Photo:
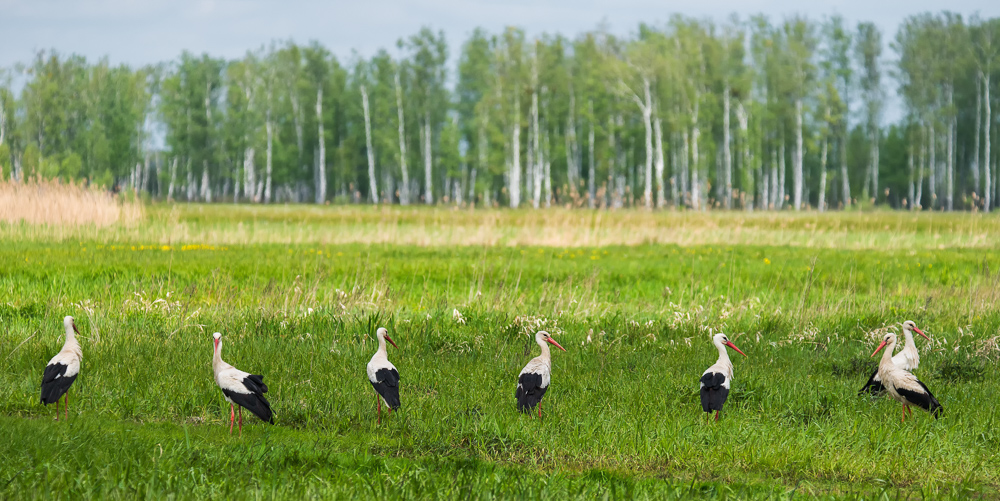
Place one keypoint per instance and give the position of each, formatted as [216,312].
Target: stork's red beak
[216,343]
[733,346]
[553,341]
[918,331]
[879,348]
[75,329]
[387,338]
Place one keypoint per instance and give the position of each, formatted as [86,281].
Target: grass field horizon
[633,296]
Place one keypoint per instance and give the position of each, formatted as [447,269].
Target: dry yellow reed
[50,202]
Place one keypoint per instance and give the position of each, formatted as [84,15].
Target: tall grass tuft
[51,202]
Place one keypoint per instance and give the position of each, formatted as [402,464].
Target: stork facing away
[716,379]
[63,369]
[907,359]
[383,375]
[535,377]
[902,385]
[241,389]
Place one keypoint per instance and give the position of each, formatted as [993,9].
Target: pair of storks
[240,388]
[893,375]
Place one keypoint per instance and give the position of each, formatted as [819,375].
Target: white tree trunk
[797,159]
[910,192]
[535,160]
[372,182]
[515,166]
[428,159]
[695,160]
[932,170]
[949,166]
[781,175]
[727,160]
[404,191]
[646,107]
[591,168]
[269,127]
[822,175]
[191,188]
[482,160]
[918,197]
[685,168]
[987,120]
[206,188]
[974,167]
[547,162]
[874,164]
[845,187]
[173,179]
[775,191]
[249,175]
[746,160]
[658,132]
[297,120]
[321,162]
[572,149]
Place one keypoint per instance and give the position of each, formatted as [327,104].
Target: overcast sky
[141,32]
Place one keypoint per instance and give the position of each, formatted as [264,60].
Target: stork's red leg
[904,414]
[716,416]
[241,421]
[232,418]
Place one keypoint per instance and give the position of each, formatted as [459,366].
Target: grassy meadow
[633,296]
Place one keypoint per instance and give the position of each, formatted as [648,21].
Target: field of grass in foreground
[622,415]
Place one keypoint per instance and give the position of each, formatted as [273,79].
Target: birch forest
[747,114]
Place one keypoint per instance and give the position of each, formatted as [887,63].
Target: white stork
[63,369]
[240,388]
[907,359]
[383,375]
[535,377]
[902,385]
[715,381]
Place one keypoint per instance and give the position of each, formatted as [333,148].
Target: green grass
[622,418]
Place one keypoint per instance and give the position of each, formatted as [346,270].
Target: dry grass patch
[50,202]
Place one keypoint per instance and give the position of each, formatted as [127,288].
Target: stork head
[889,340]
[70,325]
[545,337]
[383,333]
[218,339]
[721,340]
[910,326]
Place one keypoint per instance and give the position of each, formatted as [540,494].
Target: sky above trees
[146,32]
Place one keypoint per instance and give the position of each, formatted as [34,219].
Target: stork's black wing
[925,400]
[254,401]
[55,383]
[386,384]
[713,393]
[529,391]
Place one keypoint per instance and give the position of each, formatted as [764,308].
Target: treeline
[745,114]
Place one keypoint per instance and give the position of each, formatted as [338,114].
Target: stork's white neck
[546,354]
[723,353]
[381,346]
[887,355]
[217,363]
[908,334]
[71,343]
